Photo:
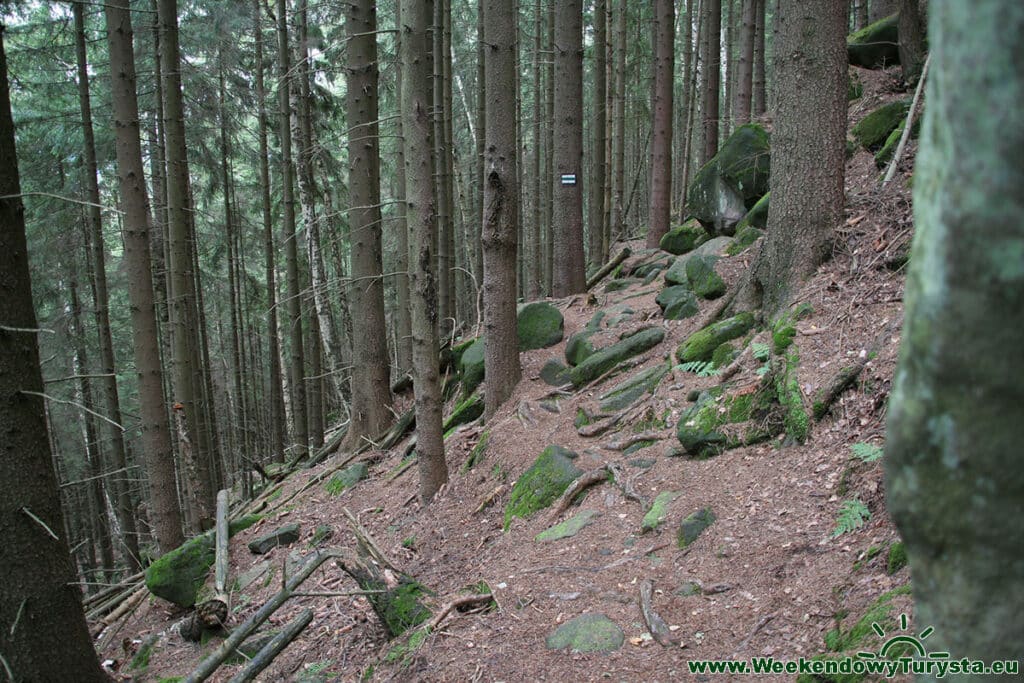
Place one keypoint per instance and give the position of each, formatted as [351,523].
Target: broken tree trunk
[272,649]
[608,268]
[212,614]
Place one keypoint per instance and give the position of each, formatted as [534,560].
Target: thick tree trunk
[371,389]
[597,248]
[661,123]
[712,65]
[535,267]
[912,32]
[549,157]
[414,25]
[807,144]
[729,68]
[569,272]
[156,442]
[618,219]
[758,98]
[112,404]
[499,229]
[954,481]
[403,320]
[880,9]
[47,639]
[745,67]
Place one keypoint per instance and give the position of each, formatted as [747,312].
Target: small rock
[587,633]
[285,535]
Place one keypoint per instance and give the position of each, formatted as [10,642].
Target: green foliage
[852,515]
[867,452]
[409,542]
[761,351]
[541,484]
[477,453]
[897,559]
[701,368]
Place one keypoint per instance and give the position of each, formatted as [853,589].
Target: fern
[701,368]
[852,515]
[761,351]
[867,452]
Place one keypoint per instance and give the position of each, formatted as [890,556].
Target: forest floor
[771,579]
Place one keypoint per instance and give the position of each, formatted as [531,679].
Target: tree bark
[661,123]
[535,270]
[618,219]
[598,249]
[711,59]
[549,156]
[403,321]
[911,32]
[499,229]
[745,68]
[414,25]
[880,9]
[569,272]
[47,639]
[807,145]
[371,390]
[759,99]
[953,479]
[112,404]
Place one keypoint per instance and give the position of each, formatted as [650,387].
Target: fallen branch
[272,649]
[608,268]
[458,603]
[907,125]
[213,613]
[652,620]
[845,378]
[602,425]
[584,481]
[626,442]
[489,499]
[762,622]
[626,484]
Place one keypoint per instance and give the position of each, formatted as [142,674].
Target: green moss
[705,282]
[677,302]
[701,344]
[172,679]
[795,417]
[656,513]
[539,325]
[870,554]
[876,45]
[897,559]
[782,337]
[471,366]
[745,236]
[400,652]
[610,356]
[179,574]
[873,130]
[464,413]
[627,392]
[140,662]
[723,355]
[569,527]
[477,454]
[579,348]
[693,526]
[757,217]
[541,484]
[346,478]
[683,238]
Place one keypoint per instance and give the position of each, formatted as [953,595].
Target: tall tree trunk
[729,67]
[535,270]
[47,639]
[501,352]
[414,25]
[661,122]
[449,159]
[807,145]
[711,60]
[758,98]
[403,321]
[954,483]
[442,154]
[743,89]
[549,145]
[371,392]
[297,364]
[618,219]
[112,404]
[911,32]
[880,9]
[481,135]
[569,273]
[184,311]
[597,196]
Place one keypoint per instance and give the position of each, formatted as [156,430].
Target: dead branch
[602,425]
[272,649]
[907,125]
[844,379]
[584,481]
[608,268]
[626,484]
[626,442]
[489,499]
[458,603]
[762,622]
[655,624]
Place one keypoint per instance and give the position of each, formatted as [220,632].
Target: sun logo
[916,643]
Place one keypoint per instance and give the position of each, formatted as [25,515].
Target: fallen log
[213,613]
[652,620]
[272,649]
[608,268]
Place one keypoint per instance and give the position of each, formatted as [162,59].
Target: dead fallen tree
[272,649]
[608,268]
[213,613]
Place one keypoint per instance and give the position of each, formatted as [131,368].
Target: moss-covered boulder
[677,302]
[587,633]
[676,274]
[569,527]
[701,345]
[873,129]
[854,88]
[555,373]
[684,238]
[579,347]
[178,575]
[465,412]
[626,393]
[540,325]
[347,478]
[884,154]
[693,526]
[735,178]
[542,484]
[283,535]
[656,513]
[610,356]
[726,353]
[702,427]
[704,281]
[875,46]
[744,238]
[757,216]
[471,366]
[620,283]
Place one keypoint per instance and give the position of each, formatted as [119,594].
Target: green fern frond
[867,452]
[701,368]
[761,351]
[852,515]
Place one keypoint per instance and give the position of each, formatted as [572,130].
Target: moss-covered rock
[627,392]
[610,356]
[757,216]
[875,46]
[620,283]
[735,178]
[569,527]
[656,513]
[587,633]
[541,484]
[874,128]
[701,345]
[554,373]
[854,88]
[347,478]
[796,418]
[676,274]
[693,526]
[897,558]
[471,365]
[677,302]
[684,238]
[540,325]
[884,154]
[705,282]
[283,535]
[723,355]
[465,412]
[706,428]
[744,238]
[579,347]
[179,574]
